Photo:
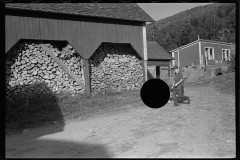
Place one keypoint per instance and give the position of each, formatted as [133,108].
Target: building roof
[125,11]
[156,52]
[202,40]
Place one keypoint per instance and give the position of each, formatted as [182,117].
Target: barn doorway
[115,67]
[28,63]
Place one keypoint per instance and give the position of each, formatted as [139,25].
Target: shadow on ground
[32,115]
[33,122]
[46,148]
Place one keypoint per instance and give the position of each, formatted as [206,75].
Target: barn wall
[83,33]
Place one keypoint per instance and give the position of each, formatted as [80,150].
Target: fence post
[86,76]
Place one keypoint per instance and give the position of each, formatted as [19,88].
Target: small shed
[202,53]
[85,26]
[158,61]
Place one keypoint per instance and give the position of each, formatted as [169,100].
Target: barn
[82,47]
[158,61]
[202,53]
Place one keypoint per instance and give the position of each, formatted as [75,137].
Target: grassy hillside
[223,83]
[213,22]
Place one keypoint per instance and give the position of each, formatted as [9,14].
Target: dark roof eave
[75,14]
[150,59]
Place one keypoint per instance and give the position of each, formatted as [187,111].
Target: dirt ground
[204,128]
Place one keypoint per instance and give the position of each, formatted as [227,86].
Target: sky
[162,10]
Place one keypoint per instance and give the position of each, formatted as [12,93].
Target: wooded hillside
[212,22]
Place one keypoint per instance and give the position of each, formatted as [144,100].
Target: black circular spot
[155,93]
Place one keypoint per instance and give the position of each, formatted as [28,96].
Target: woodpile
[28,67]
[115,67]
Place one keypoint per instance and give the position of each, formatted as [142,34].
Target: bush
[218,71]
[231,64]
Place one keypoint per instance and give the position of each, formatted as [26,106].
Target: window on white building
[225,54]
[209,53]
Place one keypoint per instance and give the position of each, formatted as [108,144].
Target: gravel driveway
[205,128]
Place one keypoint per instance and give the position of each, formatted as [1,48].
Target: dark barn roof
[126,11]
[156,52]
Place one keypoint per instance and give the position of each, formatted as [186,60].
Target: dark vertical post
[86,76]
[169,69]
[144,64]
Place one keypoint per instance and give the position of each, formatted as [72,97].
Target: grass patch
[223,83]
[83,105]
[39,110]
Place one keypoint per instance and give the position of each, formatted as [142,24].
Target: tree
[172,46]
[211,22]
[202,33]
[194,22]
[187,32]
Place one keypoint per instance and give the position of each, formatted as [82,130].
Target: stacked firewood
[29,69]
[115,67]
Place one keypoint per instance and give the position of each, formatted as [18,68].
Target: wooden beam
[86,76]
[64,67]
[200,52]
[144,51]
[144,65]
[169,70]
[82,66]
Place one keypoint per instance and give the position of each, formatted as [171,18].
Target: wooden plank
[112,32]
[104,32]
[43,28]
[120,34]
[35,31]
[50,29]
[64,29]
[59,26]
[11,26]
[14,34]
[22,27]
[144,41]
[82,66]
[86,76]
[16,29]
[93,42]
[64,67]
[144,66]
[55,29]
[74,33]
[125,34]
[30,27]
[96,34]
[139,40]
[128,33]
[84,39]
[7,33]
[109,32]
[89,42]
[80,39]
